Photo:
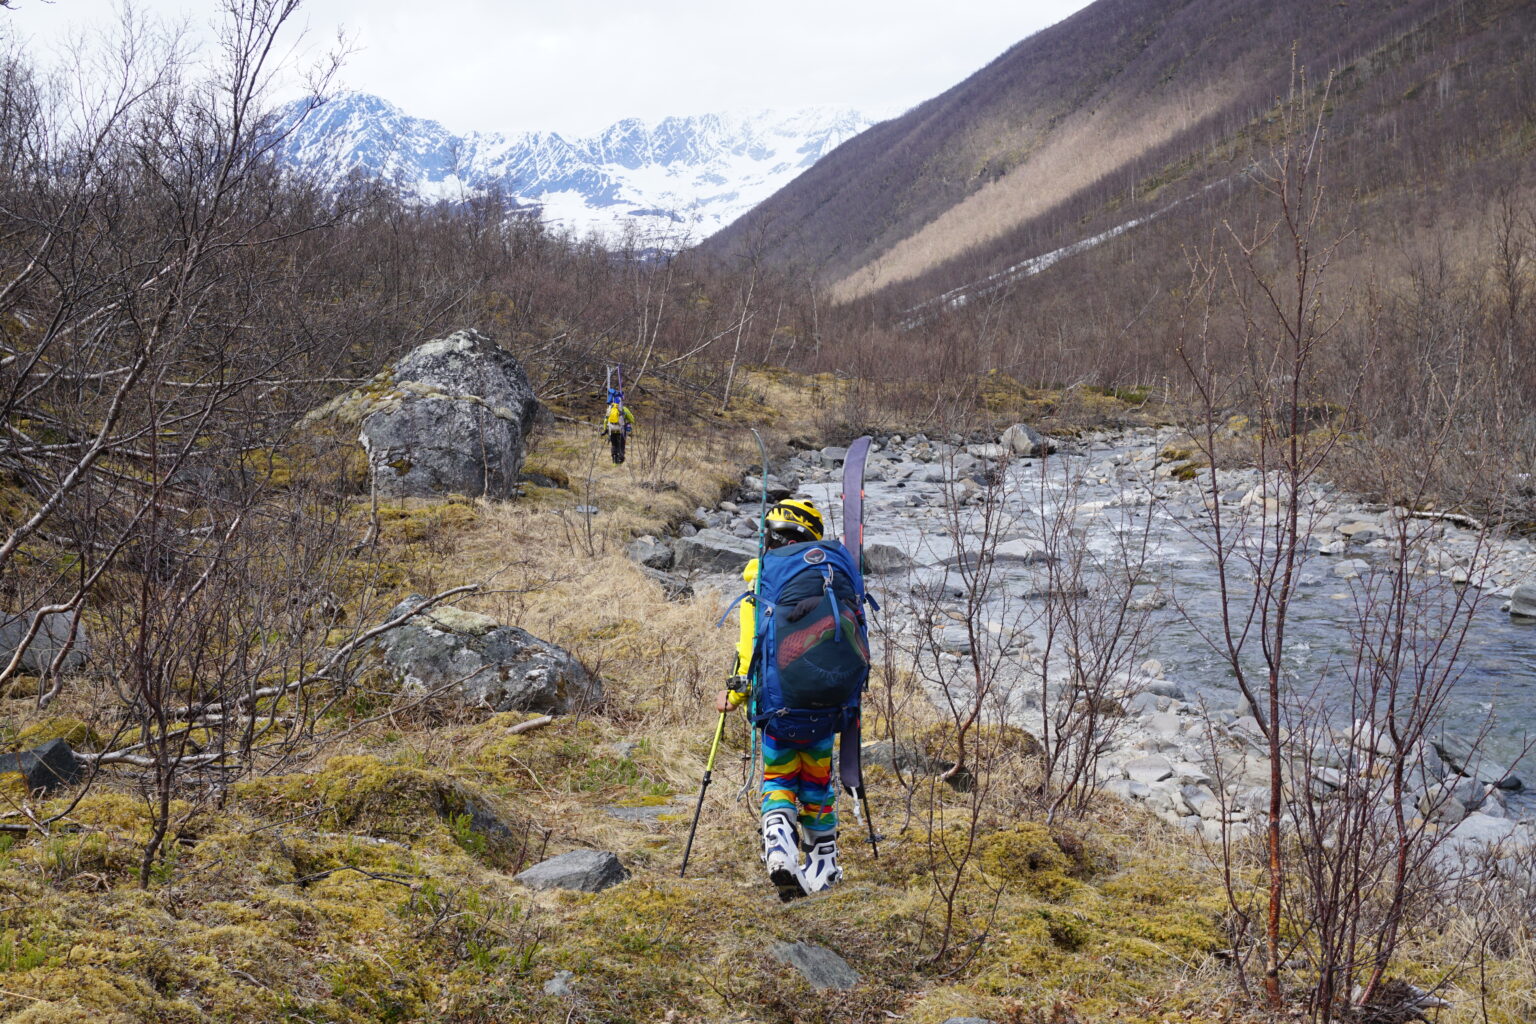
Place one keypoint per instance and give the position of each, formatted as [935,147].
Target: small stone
[45,769]
[834,455]
[1163,688]
[1351,568]
[1360,532]
[819,966]
[583,870]
[651,553]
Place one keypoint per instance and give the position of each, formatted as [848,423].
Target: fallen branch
[530,725]
[1458,518]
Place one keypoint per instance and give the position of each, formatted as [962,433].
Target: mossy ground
[357,886]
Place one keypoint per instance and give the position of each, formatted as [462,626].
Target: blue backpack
[811,661]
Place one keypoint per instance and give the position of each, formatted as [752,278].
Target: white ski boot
[780,845]
[820,870]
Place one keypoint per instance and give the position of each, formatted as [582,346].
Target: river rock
[1021,552]
[819,966]
[1202,801]
[651,552]
[1360,532]
[712,551]
[1023,439]
[1150,770]
[1351,568]
[582,870]
[881,558]
[452,416]
[833,455]
[1522,603]
[51,637]
[1440,806]
[482,662]
[778,489]
[1486,830]
[674,587]
[1465,759]
[45,769]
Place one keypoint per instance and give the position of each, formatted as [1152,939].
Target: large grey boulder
[451,417]
[712,550]
[482,662]
[46,645]
[1522,603]
[1023,439]
[582,870]
[819,966]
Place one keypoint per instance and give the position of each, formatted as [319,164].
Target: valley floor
[372,878]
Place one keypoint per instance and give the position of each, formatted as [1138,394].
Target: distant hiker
[618,421]
[803,664]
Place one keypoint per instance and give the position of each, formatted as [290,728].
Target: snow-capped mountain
[675,181]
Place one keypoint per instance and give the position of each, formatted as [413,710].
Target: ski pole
[874,840]
[709,768]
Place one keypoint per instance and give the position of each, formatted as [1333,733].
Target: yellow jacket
[746,637]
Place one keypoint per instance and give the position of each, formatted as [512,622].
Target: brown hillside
[1119,88]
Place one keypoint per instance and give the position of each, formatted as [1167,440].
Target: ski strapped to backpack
[850,762]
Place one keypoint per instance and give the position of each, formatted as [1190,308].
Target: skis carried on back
[850,763]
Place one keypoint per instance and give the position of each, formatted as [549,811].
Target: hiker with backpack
[802,662]
[618,421]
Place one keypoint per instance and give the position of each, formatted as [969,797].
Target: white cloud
[577,65]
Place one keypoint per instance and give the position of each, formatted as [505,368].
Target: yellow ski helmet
[795,520]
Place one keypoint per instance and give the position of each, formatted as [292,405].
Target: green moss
[424,521]
[79,735]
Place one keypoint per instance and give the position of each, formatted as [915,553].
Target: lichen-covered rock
[451,417]
[483,663]
[819,966]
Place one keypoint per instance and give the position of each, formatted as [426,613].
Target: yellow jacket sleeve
[746,611]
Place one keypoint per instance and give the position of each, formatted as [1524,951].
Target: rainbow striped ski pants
[797,777]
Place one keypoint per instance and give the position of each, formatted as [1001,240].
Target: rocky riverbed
[1132,506]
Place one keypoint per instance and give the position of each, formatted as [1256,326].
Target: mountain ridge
[681,176]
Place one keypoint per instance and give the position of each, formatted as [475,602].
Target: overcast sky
[575,66]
